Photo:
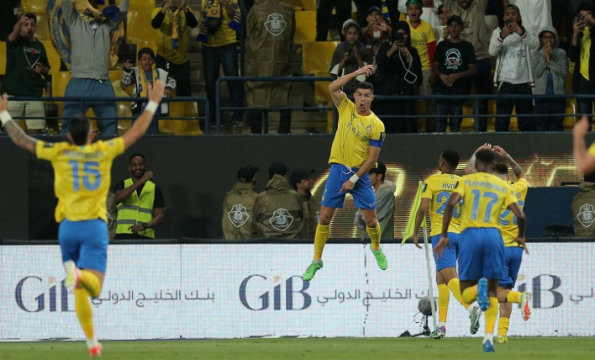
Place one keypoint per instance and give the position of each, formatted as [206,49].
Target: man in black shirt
[140,202]
[454,67]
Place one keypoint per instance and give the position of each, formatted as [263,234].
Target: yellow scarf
[176,26]
[141,81]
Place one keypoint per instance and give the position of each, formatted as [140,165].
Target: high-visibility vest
[135,210]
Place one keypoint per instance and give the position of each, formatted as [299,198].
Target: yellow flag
[409,231]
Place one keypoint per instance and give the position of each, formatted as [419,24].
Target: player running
[82,179]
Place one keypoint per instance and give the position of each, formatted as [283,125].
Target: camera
[580,18]
[400,38]
[509,21]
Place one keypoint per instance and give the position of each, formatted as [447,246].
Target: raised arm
[335,87]
[470,168]
[516,168]
[13,129]
[16,30]
[142,123]
[584,160]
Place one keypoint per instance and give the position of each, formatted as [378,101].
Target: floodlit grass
[314,348]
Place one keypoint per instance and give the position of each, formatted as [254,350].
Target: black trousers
[255,121]
[180,72]
[324,10]
[522,106]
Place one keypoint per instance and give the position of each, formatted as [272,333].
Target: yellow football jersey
[438,189]
[82,176]
[508,224]
[355,134]
[484,195]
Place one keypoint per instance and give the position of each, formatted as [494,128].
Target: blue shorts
[481,254]
[450,255]
[513,255]
[85,243]
[363,193]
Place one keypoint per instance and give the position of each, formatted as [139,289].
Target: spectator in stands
[537,14]
[384,192]
[423,39]
[270,30]
[442,32]
[430,13]
[454,67]
[26,69]
[173,25]
[513,74]
[583,208]
[219,27]
[377,32]
[141,77]
[238,222]
[494,14]
[398,71]
[581,48]
[550,67]
[478,34]
[363,10]
[278,211]
[324,10]
[7,17]
[89,68]
[302,182]
[141,207]
[350,55]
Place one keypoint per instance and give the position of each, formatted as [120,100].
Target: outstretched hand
[156,93]
[368,70]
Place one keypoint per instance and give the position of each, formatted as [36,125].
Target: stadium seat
[43,29]
[53,57]
[139,26]
[305,29]
[2,57]
[181,127]
[136,5]
[322,94]
[34,6]
[317,56]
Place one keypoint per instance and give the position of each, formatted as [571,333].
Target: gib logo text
[257,292]
[32,294]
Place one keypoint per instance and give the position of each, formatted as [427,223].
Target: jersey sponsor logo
[281,219]
[275,24]
[238,215]
[586,215]
[454,60]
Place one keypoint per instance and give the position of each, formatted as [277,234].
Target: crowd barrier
[222,290]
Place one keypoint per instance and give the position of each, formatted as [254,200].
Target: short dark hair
[451,158]
[501,168]
[147,51]
[30,16]
[485,156]
[585,6]
[364,85]
[135,155]
[79,129]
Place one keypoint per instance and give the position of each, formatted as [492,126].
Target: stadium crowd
[434,48]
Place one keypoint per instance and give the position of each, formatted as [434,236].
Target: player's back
[484,195]
[355,133]
[438,188]
[82,176]
[508,221]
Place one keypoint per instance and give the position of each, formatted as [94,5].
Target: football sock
[443,299]
[455,288]
[513,297]
[491,314]
[503,326]
[90,282]
[322,233]
[374,233]
[82,306]
[469,294]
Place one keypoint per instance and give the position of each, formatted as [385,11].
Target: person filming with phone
[580,50]
[513,45]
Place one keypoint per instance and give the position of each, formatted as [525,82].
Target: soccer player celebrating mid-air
[481,248]
[585,159]
[513,252]
[82,180]
[354,152]
[436,191]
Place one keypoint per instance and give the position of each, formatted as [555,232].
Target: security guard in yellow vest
[140,202]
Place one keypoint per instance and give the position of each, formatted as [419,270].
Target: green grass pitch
[312,348]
